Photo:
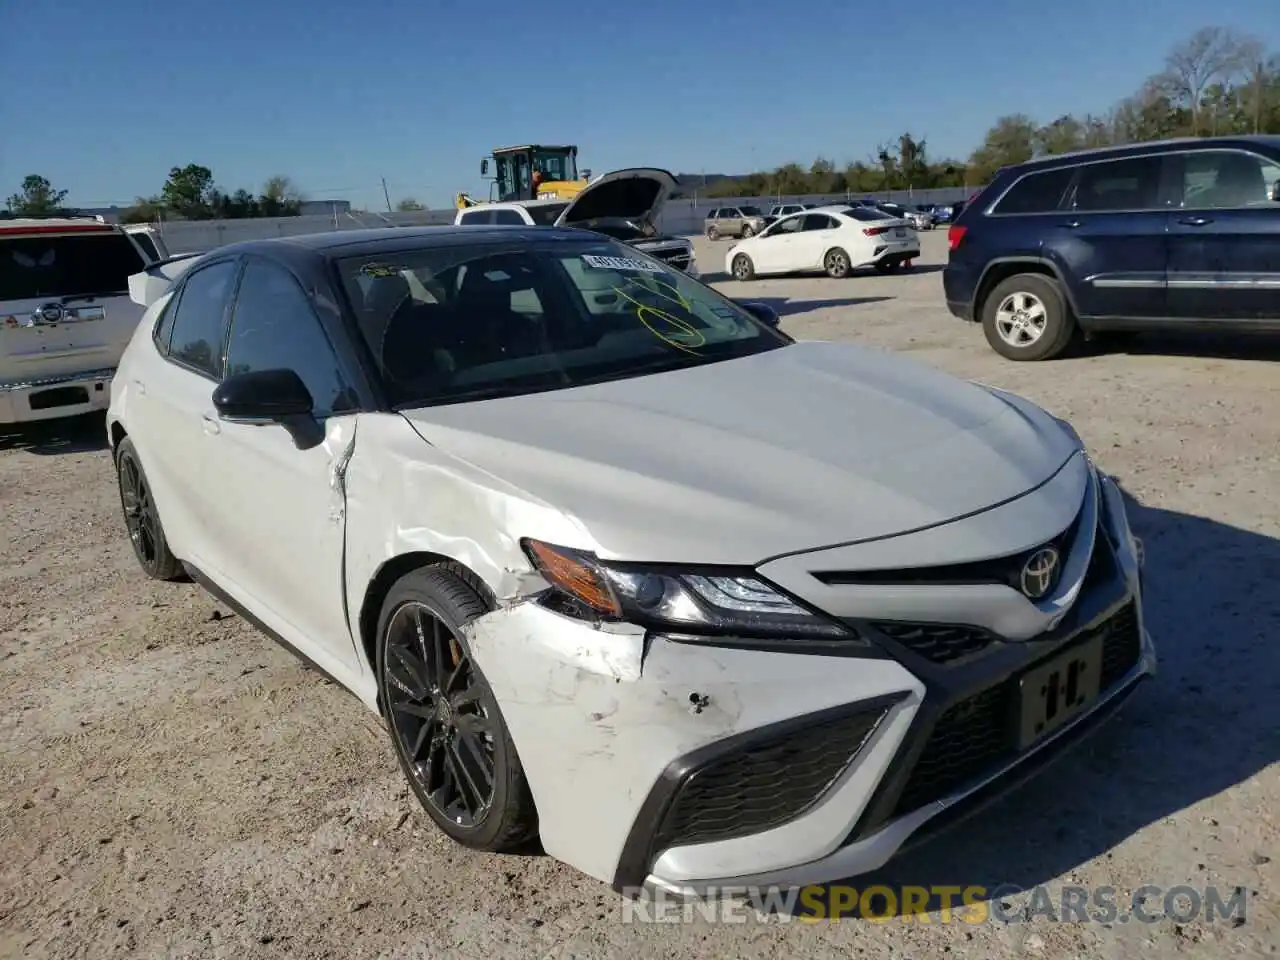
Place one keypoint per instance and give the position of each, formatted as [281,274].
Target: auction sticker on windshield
[619,263]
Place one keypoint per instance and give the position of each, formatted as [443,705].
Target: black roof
[1142,148]
[344,243]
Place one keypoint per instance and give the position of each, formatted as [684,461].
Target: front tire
[449,735]
[836,264]
[1025,317]
[141,518]
[743,268]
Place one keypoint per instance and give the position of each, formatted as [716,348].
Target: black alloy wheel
[447,739]
[450,737]
[141,518]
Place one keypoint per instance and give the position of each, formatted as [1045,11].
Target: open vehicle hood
[734,462]
[636,193]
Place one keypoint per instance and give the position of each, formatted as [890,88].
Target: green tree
[409,205]
[1011,140]
[144,210]
[189,192]
[37,198]
[280,198]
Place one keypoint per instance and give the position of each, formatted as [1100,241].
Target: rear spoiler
[151,284]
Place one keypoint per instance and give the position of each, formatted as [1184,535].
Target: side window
[785,227]
[274,327]
[818,221]
[164,326]
[199,321]
[148,246]
[507,217]
[1218,179]
[1132,184]
[712,214]
[1036,192]
[476,216]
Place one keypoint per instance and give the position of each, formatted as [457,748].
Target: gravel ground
[174,785]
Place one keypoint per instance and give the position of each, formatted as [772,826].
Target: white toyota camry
[619,562]
[835,240]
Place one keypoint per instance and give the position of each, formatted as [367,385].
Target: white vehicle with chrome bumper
[65,314]
[618,562]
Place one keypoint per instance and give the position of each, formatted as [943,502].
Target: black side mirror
[263,397]
[761,311]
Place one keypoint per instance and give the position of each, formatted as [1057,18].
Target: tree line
[1216,82]
[189,193]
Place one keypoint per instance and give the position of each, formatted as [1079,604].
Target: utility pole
[386,195]
[1258,76]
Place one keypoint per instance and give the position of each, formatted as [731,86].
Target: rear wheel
[450,738]
[141,518]
[743,268]
[713,232]
[836,263]
[1025,317]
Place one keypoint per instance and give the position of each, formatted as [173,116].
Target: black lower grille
[977,735]
[939,642]
[766,784]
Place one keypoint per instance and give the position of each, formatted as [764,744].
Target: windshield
[67,266]
[461,322]
[750,211]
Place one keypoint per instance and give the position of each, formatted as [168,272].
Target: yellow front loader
[530,172]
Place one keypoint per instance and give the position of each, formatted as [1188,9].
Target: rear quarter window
[1040,192]
[73,265]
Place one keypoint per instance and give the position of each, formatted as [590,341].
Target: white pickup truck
[65,312]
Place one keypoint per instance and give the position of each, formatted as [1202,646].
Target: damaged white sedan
[623,565]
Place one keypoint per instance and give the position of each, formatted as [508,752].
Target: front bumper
[48,398]
[686,767]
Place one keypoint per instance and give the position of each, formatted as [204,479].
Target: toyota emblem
[1040,573]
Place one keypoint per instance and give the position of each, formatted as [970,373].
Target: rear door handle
[1195,221]
[210,423]
[140,387]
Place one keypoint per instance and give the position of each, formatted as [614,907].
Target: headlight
[716,603]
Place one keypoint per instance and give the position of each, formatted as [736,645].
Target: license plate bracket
[1056,692]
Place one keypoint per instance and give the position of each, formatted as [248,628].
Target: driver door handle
[210,423]
[1072,224]
[1195,221]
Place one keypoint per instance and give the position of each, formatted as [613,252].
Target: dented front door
[283,523]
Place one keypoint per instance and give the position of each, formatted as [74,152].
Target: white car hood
[738,461]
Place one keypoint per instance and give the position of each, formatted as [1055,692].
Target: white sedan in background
[832,239]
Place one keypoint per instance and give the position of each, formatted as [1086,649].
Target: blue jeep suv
[1151,236]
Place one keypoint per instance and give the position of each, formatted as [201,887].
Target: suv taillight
[955,233]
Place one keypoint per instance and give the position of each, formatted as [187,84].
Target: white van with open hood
[623,204]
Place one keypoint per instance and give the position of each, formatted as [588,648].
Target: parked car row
[747,220]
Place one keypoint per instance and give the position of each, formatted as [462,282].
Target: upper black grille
[977,735]
[1003,570]
[765,784]
[939,642]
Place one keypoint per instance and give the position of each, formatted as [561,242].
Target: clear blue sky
[103,98]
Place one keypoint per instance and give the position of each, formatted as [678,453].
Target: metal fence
[682,217]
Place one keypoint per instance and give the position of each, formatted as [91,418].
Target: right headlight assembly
[690,602]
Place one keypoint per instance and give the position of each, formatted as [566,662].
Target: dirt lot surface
[174,785]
